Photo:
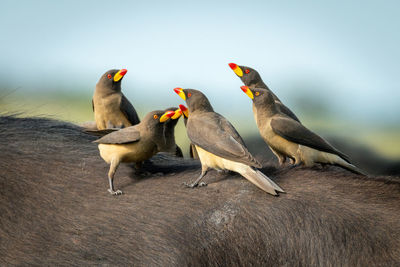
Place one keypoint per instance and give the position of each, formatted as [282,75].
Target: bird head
[258,95]
[249,76]
[112,79]
[195,99]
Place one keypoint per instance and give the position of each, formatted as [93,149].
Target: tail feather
[261,181]
[352,168]
[348,166]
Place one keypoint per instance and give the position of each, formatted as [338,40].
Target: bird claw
[115,193]
[190,185]
[194,185]
[202,184]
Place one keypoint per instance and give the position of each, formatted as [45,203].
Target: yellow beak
[177,114]
[180,92]
[121,73]
[247,91]
[184,110]
[166,116]
[236,69]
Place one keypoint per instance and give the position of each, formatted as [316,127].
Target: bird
[289,138]
[170,145]
[251,78]
[110,106]
[218,144]
[192,149]
[133,144]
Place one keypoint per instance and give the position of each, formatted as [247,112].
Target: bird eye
[109,76]
[189,94]
[247,71]
[257,93]
[155,117]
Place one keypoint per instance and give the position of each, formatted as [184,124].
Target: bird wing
[215,134]
[287,111]
[126,135]
[297,133]
[128,110]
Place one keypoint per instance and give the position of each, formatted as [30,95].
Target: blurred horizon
[334,64]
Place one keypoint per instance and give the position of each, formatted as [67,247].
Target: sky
[344,54]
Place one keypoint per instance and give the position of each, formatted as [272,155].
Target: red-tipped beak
[177,90]
[182,107]
[169,114]
[184,110]
[123,72]
[247,91]
[180,92]
[232,65]
[120,74]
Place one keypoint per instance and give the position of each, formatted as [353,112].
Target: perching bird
[289,138]
[218,144]
[111,108]
[192,149]
[251,78]
[133,144]
[170,145]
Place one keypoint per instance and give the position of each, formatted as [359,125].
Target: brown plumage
[289,138]
[133,144]
[218,144]
[111,108]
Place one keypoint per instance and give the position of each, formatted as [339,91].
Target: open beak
[184,110]
[247,91]
[180,92]
[236,69]
[120,74]
[167,115]
[177,114]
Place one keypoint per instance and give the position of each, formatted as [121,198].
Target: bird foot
[193,185]
[202,184]
[115,193]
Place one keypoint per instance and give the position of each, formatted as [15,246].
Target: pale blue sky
[344,52]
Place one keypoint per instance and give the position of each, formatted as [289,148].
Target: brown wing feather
[297,133]
[215,134]
[129,111]
[126,135]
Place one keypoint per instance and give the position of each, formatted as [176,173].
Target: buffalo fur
[55,210]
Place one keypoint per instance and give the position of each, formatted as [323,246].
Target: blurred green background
[334,64]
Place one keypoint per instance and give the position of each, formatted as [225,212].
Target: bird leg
[196,183]
[113,168]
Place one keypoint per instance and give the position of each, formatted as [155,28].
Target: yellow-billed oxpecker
[134,144]
[218,144]
[111,108]
[251,78]
[289,138]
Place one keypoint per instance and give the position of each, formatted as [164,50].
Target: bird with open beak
[110,106]
[289,138]
[218,144]
[134,144]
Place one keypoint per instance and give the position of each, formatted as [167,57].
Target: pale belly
[126,152]
[215,162]
[107,114]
